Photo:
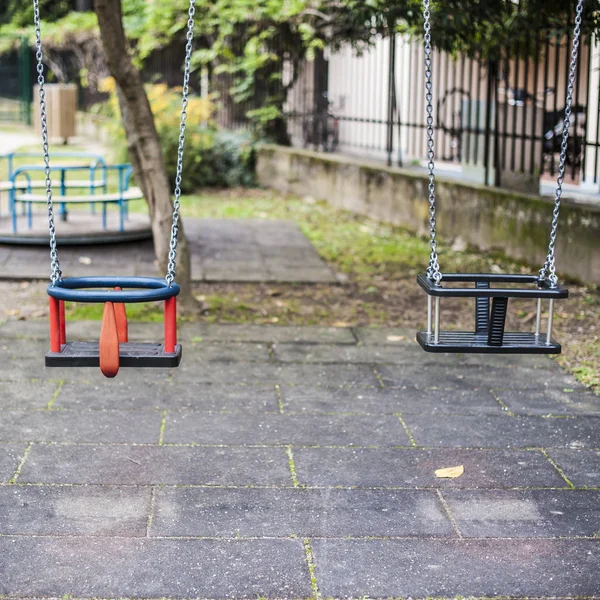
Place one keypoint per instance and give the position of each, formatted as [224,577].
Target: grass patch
[149,312]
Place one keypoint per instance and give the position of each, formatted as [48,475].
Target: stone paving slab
[475,377]
[549,402]
[345,354]
[503,432]
[581,467]
[143,568]
[256,374]
[305,430]
[277,452]
[97,511]
[221,250]
[525,514]
[224,512]
[10,457]
[387,401]
[402,354]
[381,467]
[145,465]
[27,395]
[232,352]
[420,568]
[281,334]
[147,395]
[55,426]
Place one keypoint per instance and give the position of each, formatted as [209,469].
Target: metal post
[437,320]
[429,305]
[25,73]
[491,78]
[391,96]
[538,318]
[549,333]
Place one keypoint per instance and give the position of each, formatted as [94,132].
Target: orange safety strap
[109,342]
[121,317]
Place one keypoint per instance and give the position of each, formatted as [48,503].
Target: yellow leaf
[450,472]
[396,338]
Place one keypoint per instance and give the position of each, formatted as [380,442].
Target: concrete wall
[485,217]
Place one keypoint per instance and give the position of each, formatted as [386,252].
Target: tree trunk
[144,146]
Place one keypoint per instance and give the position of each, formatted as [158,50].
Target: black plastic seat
[489,335]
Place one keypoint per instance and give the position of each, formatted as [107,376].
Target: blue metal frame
[125,171]
[81,155]
[153,289]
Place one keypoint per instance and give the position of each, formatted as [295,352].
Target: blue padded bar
[72,289]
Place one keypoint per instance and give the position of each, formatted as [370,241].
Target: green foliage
[213,158]
[20,12]
[248,40]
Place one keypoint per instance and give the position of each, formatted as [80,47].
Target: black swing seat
[131,354]
[489,335]
[514,342]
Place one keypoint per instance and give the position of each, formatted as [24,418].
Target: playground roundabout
[91,197]
[80,227]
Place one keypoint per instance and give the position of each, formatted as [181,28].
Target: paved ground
[222,250]
[295,463]
[13,140]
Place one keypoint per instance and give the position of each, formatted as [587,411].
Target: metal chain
[55,272]
[433,270]
[549,269]
[170,276]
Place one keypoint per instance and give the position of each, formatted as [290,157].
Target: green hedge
[213,157]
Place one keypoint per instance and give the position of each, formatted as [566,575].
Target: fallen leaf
[450,472]
[13,312]
[340,324]
[85,260]
[396,338]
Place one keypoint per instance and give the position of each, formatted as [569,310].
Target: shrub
[213,157]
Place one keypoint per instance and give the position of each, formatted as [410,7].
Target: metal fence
[15,91]
[496,122]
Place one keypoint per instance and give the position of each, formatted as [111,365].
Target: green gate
[15,82]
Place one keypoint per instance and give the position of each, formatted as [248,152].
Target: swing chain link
[549,269]
[433,270]
[55,272]
[170,276]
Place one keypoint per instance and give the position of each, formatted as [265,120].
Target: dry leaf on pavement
[450,472]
